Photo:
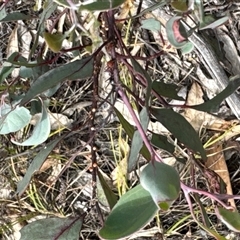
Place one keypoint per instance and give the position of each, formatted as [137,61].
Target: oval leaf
[53,228]
[162,181]
[151,24]
[133,211]
[180,128]
[187,48]
[40,132]
[14,120]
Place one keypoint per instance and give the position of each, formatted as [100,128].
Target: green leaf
[161,141]
[212,232]
[129,129]
[54,41]
[79,69]
[180,5]
[6,70]
[15,16]
[180,128]
[213,104]
[164,206]
[32,70]
[187,48]
[132,212]
[26,72]
[109,194]
[151,24]
[48,9]
[51,91]
[162,181]
[75,3]
[137,142]
[36,164]
[230,218]
[7,67]
[198,12]
[167,90]
[101,5]
[13,120]
[53,228]
[138,68]
[211,22]
[40,132]
[205,218]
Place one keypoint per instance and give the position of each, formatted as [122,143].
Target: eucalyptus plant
[160,184]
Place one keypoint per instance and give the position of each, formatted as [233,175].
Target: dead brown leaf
[217,163]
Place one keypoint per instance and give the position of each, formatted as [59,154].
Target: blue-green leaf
[162,181]
[132,212]
[101,5]
[187,48]
[13,120]
[213,104]
[161,141]
[211,22]
[36,165]
[7,67]
[129,129]
[40,132]
[139,69]
[180,128]
[109,194]
[166,90]
[79,69]
[137,142]
[151,24]
[15,16]
[230,218]
[3,13]
[53,228]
